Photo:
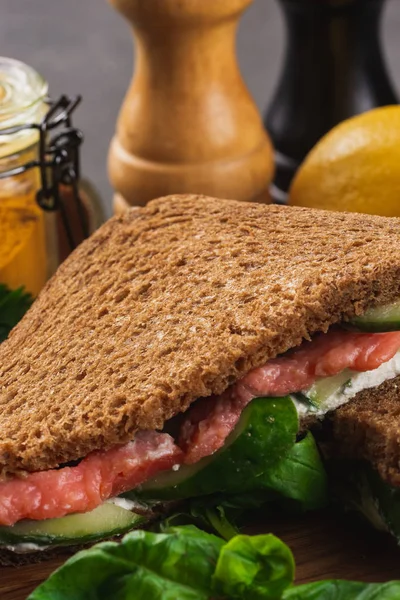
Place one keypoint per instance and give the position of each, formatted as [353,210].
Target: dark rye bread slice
[368,428]
[173,302]
[9,558]
[12,558]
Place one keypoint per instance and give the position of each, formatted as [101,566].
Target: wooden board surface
[325,545]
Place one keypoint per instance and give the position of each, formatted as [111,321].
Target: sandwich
[182,354]
[361,445]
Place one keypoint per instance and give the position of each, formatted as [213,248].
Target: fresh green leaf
[240,502]
[300,475]
[183,563]
[344,590]
[13,306]
[219,514]
[386,500]
[178,564]
[259,567]
[216,518]
[360,487]
[207,516]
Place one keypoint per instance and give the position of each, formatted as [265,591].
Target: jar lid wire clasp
[58,161]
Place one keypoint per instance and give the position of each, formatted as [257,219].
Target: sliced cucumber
[379,319]
[265,433]
[323,389]
[104,521]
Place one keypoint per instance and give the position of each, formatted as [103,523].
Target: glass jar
[26,232]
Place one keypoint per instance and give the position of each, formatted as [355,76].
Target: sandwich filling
[339,351]
[319,375]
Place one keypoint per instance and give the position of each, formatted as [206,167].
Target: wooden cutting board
[325,545]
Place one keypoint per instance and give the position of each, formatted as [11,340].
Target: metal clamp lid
[58,161]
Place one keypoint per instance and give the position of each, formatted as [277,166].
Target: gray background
[85,46]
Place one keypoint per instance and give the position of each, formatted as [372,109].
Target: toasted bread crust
[173,302]
[368,428]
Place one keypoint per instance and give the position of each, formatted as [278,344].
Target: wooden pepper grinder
[188,123]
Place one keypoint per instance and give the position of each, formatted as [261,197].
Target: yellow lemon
[354,167]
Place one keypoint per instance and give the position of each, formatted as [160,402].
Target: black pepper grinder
[333,69]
